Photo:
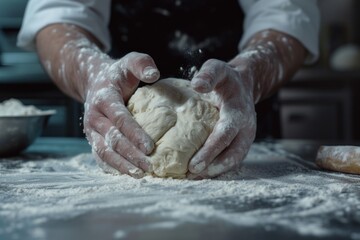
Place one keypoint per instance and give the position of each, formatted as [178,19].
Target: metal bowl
[19,132]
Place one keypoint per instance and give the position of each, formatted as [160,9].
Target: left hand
[233,134]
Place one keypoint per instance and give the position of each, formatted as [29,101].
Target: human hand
[116,138]
[269,59]
[234,133]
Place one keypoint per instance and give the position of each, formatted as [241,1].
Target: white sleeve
[298,18]
[92,15]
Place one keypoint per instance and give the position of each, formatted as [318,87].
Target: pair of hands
[83,71]
[120,142]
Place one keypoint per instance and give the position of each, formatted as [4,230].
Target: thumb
[142,66]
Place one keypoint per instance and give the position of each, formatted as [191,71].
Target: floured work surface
[275,195]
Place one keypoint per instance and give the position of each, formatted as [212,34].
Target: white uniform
[298,18]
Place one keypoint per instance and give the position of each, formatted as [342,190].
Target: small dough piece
[177,118]
[339,158]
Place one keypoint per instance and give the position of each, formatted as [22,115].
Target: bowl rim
[43,113]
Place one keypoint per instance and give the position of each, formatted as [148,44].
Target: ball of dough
[339,158]
[177,118]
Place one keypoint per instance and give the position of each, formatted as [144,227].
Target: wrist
[69,57]
[91,68]
[262,63]
[87,63]
[270,58]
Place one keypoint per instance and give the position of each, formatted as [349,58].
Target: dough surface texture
[339,158]
[177,118]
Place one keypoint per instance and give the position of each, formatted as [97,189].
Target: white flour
[274,189]
[13,107]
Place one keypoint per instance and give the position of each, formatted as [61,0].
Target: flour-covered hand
[81,69]
[77,65]
[116,138]
[269,59]
[235,130]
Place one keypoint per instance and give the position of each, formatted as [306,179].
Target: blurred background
[319,103]
[22,76]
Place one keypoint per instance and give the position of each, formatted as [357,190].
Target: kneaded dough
[339,158]
[177,118]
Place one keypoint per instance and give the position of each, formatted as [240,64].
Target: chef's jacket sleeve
[298,18]
[91,15]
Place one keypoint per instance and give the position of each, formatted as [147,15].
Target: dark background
[319,103]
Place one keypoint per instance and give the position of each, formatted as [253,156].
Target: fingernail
[136,173]
[150,72]
[201,84]
[198,168]
[147,147]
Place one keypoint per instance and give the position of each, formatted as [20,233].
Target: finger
[142,66]
[221,137]
[215,169]
[230,159]
[210,74]
[125,123]
[111,105]
[117,142]
[112,158]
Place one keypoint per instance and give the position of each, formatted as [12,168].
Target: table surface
[56,190]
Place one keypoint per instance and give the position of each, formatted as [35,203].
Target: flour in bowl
[14,107]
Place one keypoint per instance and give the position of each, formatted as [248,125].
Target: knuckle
[213,62]
[114,70]
[120,119]
[101,152]
[132,54]
[136,56]
[99,98]
[138,59]
[227,135]
[113,138]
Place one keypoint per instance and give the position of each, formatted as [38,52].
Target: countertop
[56,190]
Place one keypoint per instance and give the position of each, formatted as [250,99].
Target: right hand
[116,138]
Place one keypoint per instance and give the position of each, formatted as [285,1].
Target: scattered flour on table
[14,107]
[272,190]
